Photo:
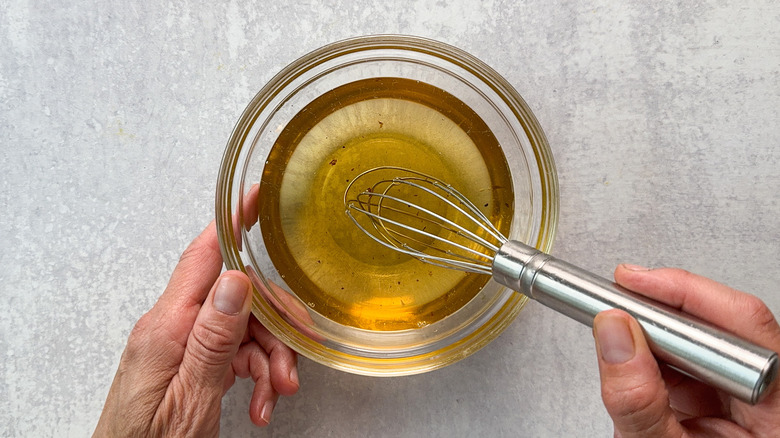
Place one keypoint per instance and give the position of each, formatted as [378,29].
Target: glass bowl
[272,172]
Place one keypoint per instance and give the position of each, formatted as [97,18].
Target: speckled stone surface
[663,119]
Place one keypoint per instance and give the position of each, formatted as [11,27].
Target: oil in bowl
[321,285]
[323,257]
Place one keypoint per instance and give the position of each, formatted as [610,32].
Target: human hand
[645,400]
[185,353]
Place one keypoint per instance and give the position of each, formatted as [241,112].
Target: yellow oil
[324,259]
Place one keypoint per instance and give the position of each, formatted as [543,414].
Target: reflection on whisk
[424,217]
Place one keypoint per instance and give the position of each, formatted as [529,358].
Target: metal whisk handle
[702,351]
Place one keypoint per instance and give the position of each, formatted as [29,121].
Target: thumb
[217,334]
[631,385]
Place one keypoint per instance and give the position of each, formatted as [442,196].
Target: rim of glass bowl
[506,304]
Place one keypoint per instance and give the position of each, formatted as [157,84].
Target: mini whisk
[426,218]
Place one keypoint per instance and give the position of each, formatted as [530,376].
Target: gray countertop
[663,120]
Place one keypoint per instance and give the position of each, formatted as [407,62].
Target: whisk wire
[459,247]
[478,217]
[438,219]
[475,267]
[383,222]
[480,220]
[388,233]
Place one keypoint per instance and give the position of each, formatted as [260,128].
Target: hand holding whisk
[428,219]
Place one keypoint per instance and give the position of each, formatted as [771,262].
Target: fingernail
[268,409]
[613,335]
[230,295]
[294,376]
[635,267]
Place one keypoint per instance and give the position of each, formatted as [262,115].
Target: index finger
[743,314]
[197,270]
[190,283]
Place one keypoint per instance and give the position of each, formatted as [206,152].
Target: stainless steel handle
[702,351]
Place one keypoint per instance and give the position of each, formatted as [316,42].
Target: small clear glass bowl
[491,97]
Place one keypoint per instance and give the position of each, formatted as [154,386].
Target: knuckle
[211,344]
[683,277]
[197,252]
[178,418]
[683,273]
[758,312]
[192,251]
[139,336]
[141,327]
[637,406]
